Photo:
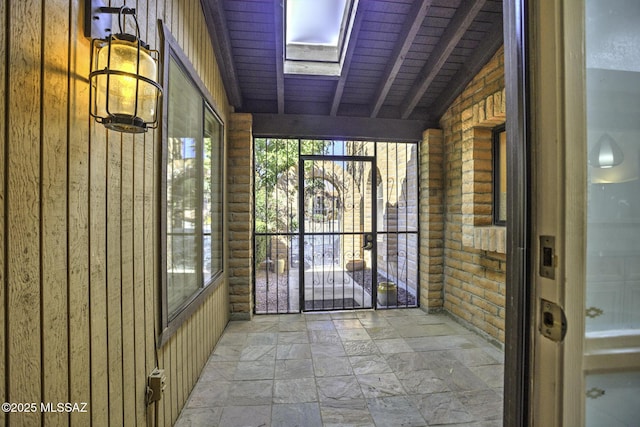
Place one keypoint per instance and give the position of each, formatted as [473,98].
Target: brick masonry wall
[431,220]
[240,181]
[473,279]
[397,167]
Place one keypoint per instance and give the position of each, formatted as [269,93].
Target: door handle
[368,242]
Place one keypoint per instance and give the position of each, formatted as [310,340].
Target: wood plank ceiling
[406,62]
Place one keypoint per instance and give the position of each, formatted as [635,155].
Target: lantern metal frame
[117,121]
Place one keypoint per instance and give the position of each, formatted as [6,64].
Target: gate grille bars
[316,204]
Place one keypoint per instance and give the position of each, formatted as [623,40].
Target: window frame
[171,323]
[495,174]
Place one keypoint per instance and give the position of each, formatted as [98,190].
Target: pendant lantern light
[124,73]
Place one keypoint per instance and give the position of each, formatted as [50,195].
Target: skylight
[316,33]
[314,22]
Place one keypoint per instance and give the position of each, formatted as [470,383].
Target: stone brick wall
[473,265]
[240,181]
[431,220]
[397,168]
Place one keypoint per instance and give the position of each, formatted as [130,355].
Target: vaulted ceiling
[406,62]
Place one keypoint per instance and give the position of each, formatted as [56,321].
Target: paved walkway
[359,368]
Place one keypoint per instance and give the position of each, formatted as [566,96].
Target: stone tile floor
[359,368]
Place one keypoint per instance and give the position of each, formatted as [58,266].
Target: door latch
[548,257]
[553,322]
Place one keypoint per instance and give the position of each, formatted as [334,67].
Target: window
[499,176]
[191,191]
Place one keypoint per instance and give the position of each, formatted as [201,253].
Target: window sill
[189,309]
[490,238]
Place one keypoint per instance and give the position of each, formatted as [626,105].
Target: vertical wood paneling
[188,356]
[166,402]
[182,22]
[151,295]
[173,349]
[3,145]
[98,279]
[78,214]
[81,223]
[138,273]
[126,244]
[179,371]
[155,11]
[193,27]
[139,320]
[54,225]
[183,368]
[187,362]
[23,198]
[114,277]
[175,17]
[205,325]
[128,380]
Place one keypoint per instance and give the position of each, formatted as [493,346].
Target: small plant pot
[387,293]
[355,265]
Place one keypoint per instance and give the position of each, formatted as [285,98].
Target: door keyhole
[548,319]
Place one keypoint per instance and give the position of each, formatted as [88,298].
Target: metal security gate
[333,228]
[336,233]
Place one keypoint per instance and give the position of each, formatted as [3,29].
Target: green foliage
[276,189]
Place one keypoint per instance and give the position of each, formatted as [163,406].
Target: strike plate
[553,323]
[548,257]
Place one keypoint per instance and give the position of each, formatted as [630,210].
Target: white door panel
[586,121]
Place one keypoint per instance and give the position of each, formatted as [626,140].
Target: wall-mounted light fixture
[124,72]
[606,153]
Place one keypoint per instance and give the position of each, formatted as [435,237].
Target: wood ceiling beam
[217,26]
[459,24]
[279,28]
[472,66]
[321,127]
[351,47]
[416,16]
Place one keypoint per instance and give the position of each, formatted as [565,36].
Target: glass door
[586,109]
[611,361]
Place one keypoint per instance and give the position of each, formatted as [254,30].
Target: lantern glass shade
[123,82]
[606,153]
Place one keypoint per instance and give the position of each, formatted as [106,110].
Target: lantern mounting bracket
[97,18]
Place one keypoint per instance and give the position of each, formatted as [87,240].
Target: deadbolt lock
[548,257]
[553,322]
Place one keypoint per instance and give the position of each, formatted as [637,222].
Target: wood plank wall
[78,231]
